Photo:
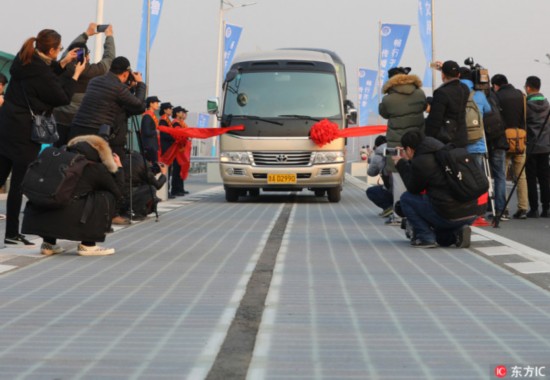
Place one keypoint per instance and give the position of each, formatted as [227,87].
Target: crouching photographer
[87,215]
[141,185]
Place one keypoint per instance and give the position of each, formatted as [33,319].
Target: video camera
[480,75]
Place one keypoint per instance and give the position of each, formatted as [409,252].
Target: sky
[505,36]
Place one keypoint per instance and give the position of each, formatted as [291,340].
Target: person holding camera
[435,216]
[87,217]
[381,194]
[108,96]
[447,118]
[36,84]
[64,115]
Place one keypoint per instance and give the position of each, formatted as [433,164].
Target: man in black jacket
[512,104]
[107,96]
[432,212]
[537,168]
[447,118]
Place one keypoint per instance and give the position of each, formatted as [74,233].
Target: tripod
[135,129]
[528,152]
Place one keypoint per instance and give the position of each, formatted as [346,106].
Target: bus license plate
[281,178]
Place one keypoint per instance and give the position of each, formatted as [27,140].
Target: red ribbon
[325,131]
[180,150]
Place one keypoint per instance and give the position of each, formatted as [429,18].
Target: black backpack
[51,179]
[466,180]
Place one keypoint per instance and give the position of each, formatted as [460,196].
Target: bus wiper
[304,117]
[251,117]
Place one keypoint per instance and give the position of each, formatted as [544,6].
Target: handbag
[44,127]
[517,137]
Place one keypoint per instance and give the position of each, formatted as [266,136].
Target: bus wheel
[231,195]
[334,194]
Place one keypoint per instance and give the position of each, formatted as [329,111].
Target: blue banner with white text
[231,39]
[156,8]
[367,95]
[425,29]
[393,39]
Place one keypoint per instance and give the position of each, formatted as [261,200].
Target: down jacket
[106,97]
[403,106]
[88,215]
[423,173]
[537,111]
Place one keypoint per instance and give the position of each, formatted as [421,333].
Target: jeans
[380,196]
[427,224]
[497,159]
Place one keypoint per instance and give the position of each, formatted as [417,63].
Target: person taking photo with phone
[64,115]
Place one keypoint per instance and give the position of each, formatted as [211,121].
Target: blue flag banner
[393,40]
[204,120]
[425,29]
[156,7]
[231,39]
[367,94]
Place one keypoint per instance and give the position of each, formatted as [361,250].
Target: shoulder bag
[44,127]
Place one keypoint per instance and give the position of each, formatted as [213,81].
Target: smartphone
[101,28]
[80,55]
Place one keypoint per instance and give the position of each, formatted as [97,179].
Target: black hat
[152,99]
[450,68]
[380,140]
[179,109]
[166,105]
[398,70]
[120,65]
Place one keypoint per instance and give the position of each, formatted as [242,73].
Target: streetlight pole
[98,51]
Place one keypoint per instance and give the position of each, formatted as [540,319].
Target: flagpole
[433,48]
[147,46]
[98,51]
[380,79]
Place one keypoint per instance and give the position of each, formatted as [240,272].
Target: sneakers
[386,212]
[423,244]
[121,221]
[463,237]
[18,241]
[48,249]
[533,214]
[95,250]
[393,220]
[520,214]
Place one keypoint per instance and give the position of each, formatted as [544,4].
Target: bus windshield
[272,94]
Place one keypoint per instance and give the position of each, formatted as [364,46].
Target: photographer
[88,216]
[381,194]
[435,216]
[64,115]
[107,97]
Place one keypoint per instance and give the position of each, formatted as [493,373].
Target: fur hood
[402,79]
[104,152]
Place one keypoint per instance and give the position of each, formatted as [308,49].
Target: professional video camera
[480,75]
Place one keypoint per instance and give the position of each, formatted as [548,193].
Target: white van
[278,95]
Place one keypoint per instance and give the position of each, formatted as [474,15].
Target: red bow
[325,131]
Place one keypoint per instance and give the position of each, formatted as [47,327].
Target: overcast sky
[506,36]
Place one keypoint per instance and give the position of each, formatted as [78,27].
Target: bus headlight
[328,157]
[235,157]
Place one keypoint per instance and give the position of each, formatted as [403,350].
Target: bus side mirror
[212,106]
[351,112]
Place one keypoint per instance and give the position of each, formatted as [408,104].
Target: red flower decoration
[323,132]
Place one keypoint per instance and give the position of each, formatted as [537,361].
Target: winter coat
[449,103]
[45,89]
[149,138]
[511,102]
[423,173]
[377,165]
[65,114]
[105,99]
[498,142]
[88,215]
[403,106]
[537,110]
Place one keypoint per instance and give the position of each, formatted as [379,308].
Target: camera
[104,132]
[480,75]
[101,28]
[80,54]
[393,151]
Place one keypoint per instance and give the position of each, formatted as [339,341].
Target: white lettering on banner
[398,42]
[385,53]
[228,31]
[383,62]
[428,10]
[155,7]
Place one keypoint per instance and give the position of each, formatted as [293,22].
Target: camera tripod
[528,152]
[135,129]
